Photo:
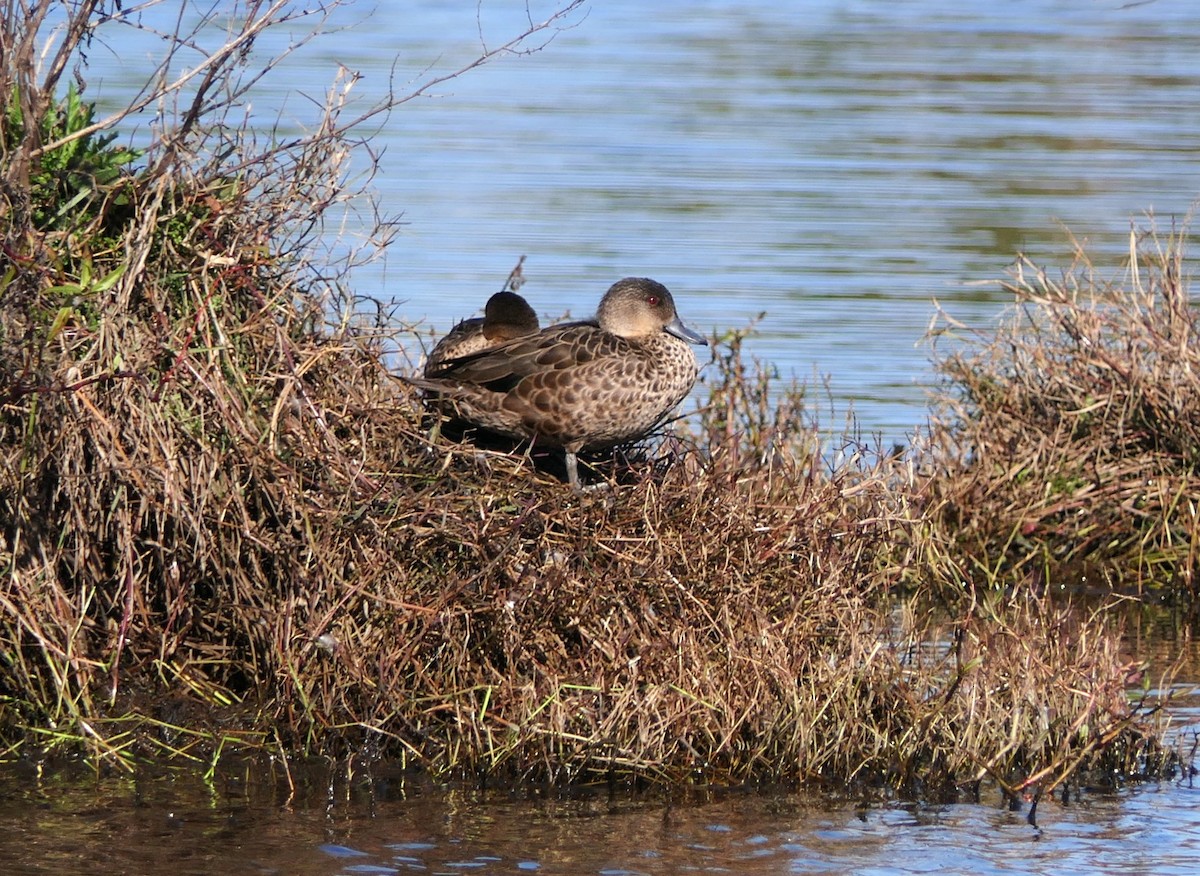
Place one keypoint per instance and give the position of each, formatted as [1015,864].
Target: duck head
[639,308]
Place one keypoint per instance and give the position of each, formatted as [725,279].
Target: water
[180,824]
[835,169]
[835,165]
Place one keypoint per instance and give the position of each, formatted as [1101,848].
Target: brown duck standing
[506,316]
[583,385]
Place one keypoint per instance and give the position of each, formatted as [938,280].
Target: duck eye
[652,300]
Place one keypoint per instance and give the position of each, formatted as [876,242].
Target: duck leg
[573,471]
[569,450]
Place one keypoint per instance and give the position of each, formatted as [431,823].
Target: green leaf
[109,279]
[60,320]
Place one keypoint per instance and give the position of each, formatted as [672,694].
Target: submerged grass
[225,524]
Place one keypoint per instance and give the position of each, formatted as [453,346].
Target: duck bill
[681,331]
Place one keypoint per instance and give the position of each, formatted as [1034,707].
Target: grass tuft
[1070,434]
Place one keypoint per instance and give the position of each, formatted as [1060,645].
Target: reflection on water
[836,168]
[180,825]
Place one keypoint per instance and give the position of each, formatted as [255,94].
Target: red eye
[652,300]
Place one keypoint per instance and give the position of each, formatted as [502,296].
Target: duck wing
[554,349]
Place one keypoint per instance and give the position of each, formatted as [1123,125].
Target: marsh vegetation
[226,524]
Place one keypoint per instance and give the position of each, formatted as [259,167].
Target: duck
[579,386]
[505,316]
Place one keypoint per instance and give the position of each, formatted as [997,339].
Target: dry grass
[1070,438]
[265,547]
[224,525]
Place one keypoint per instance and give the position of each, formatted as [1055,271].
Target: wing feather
[552,350]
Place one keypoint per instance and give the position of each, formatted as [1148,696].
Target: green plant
[77,180]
